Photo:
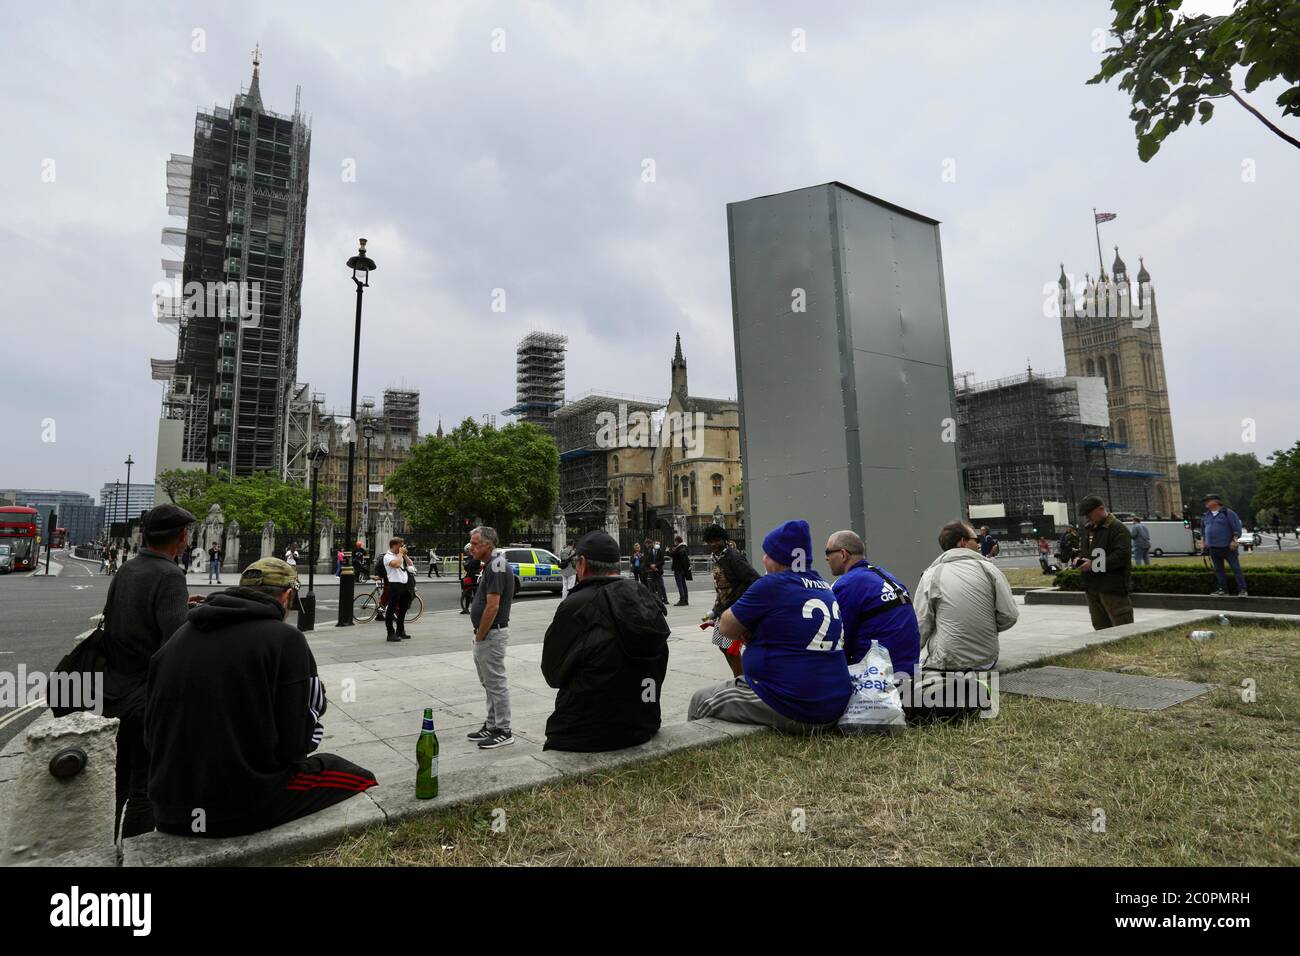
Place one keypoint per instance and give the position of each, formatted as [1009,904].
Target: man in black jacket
[147,601]
[234,709]
[607,652]
[681,558]
[654,565]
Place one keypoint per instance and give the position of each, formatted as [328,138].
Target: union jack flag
[1104,216]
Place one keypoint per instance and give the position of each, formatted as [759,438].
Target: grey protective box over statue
[844,373]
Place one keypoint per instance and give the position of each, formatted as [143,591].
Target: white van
[1170,537]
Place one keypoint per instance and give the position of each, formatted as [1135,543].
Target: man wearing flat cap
[606,651]
[234,715]
[1104,563]
[1220,529]
[147,601]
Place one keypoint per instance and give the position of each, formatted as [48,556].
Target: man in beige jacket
[962,603]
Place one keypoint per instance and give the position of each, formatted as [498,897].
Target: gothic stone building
[1114,334]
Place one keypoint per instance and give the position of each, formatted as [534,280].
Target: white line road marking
[9,718]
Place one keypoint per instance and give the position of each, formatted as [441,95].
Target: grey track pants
[735,701]
[490,662]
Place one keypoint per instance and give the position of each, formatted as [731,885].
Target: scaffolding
[301,429]
[243,193]
[1033,439]
[584,474]
[539,379]
[401,411]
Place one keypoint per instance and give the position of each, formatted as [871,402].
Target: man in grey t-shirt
[489,613]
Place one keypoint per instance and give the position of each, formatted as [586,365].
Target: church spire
[439,431]
[255,88]
[679,370]
[1118,267]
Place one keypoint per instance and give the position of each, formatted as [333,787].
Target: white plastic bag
[875,707]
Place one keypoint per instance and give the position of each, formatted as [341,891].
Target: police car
[535,569]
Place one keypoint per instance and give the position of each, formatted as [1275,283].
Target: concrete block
[276,845]
[103,856]
[467,785]
[50,816]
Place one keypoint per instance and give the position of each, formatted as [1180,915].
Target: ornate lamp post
[364,265]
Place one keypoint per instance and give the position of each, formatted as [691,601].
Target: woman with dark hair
[732,576]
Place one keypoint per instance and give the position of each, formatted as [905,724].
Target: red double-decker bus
[20,533]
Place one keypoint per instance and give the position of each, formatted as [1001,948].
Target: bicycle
[366,607]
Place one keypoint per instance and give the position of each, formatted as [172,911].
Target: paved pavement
[377,691]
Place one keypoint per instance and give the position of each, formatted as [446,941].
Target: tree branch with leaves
[1175,66]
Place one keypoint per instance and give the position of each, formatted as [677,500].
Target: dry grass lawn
[1206,783]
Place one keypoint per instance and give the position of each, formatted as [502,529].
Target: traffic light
[632,509]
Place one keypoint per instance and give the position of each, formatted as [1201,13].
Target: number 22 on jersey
[818,607]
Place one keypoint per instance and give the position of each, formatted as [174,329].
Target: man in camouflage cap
[234,713]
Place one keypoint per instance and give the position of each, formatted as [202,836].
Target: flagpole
[1096,228]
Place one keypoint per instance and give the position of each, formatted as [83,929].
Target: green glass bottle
[426,759]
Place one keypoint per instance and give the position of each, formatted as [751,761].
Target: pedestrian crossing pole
[49,536]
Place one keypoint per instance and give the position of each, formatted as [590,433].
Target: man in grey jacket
[962,603]
[1141,542]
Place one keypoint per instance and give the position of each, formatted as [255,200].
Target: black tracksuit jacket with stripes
[233,702]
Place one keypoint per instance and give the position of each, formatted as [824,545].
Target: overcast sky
[522,170]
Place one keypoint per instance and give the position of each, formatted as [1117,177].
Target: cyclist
[469,580]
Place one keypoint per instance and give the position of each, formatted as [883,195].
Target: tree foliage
[1233,476]
[1278,487]
[249,500]
[499,475]
[1175,66]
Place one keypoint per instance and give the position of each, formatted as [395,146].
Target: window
[1114,370]
[614,462]
[519,556]
[1092,369]
[1122,427]
[545,557]
[717,486]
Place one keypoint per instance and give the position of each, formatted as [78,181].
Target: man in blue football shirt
[796,678]
[874,604]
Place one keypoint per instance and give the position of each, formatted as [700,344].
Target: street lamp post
[307,602]
[127,509]
[365,265]
[369,432]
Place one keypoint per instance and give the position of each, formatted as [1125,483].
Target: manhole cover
[1127,691]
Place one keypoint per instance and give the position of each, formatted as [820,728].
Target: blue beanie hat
[782,541]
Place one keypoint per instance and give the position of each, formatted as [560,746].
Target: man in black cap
[607,653]
[147,601]
[1104,562]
